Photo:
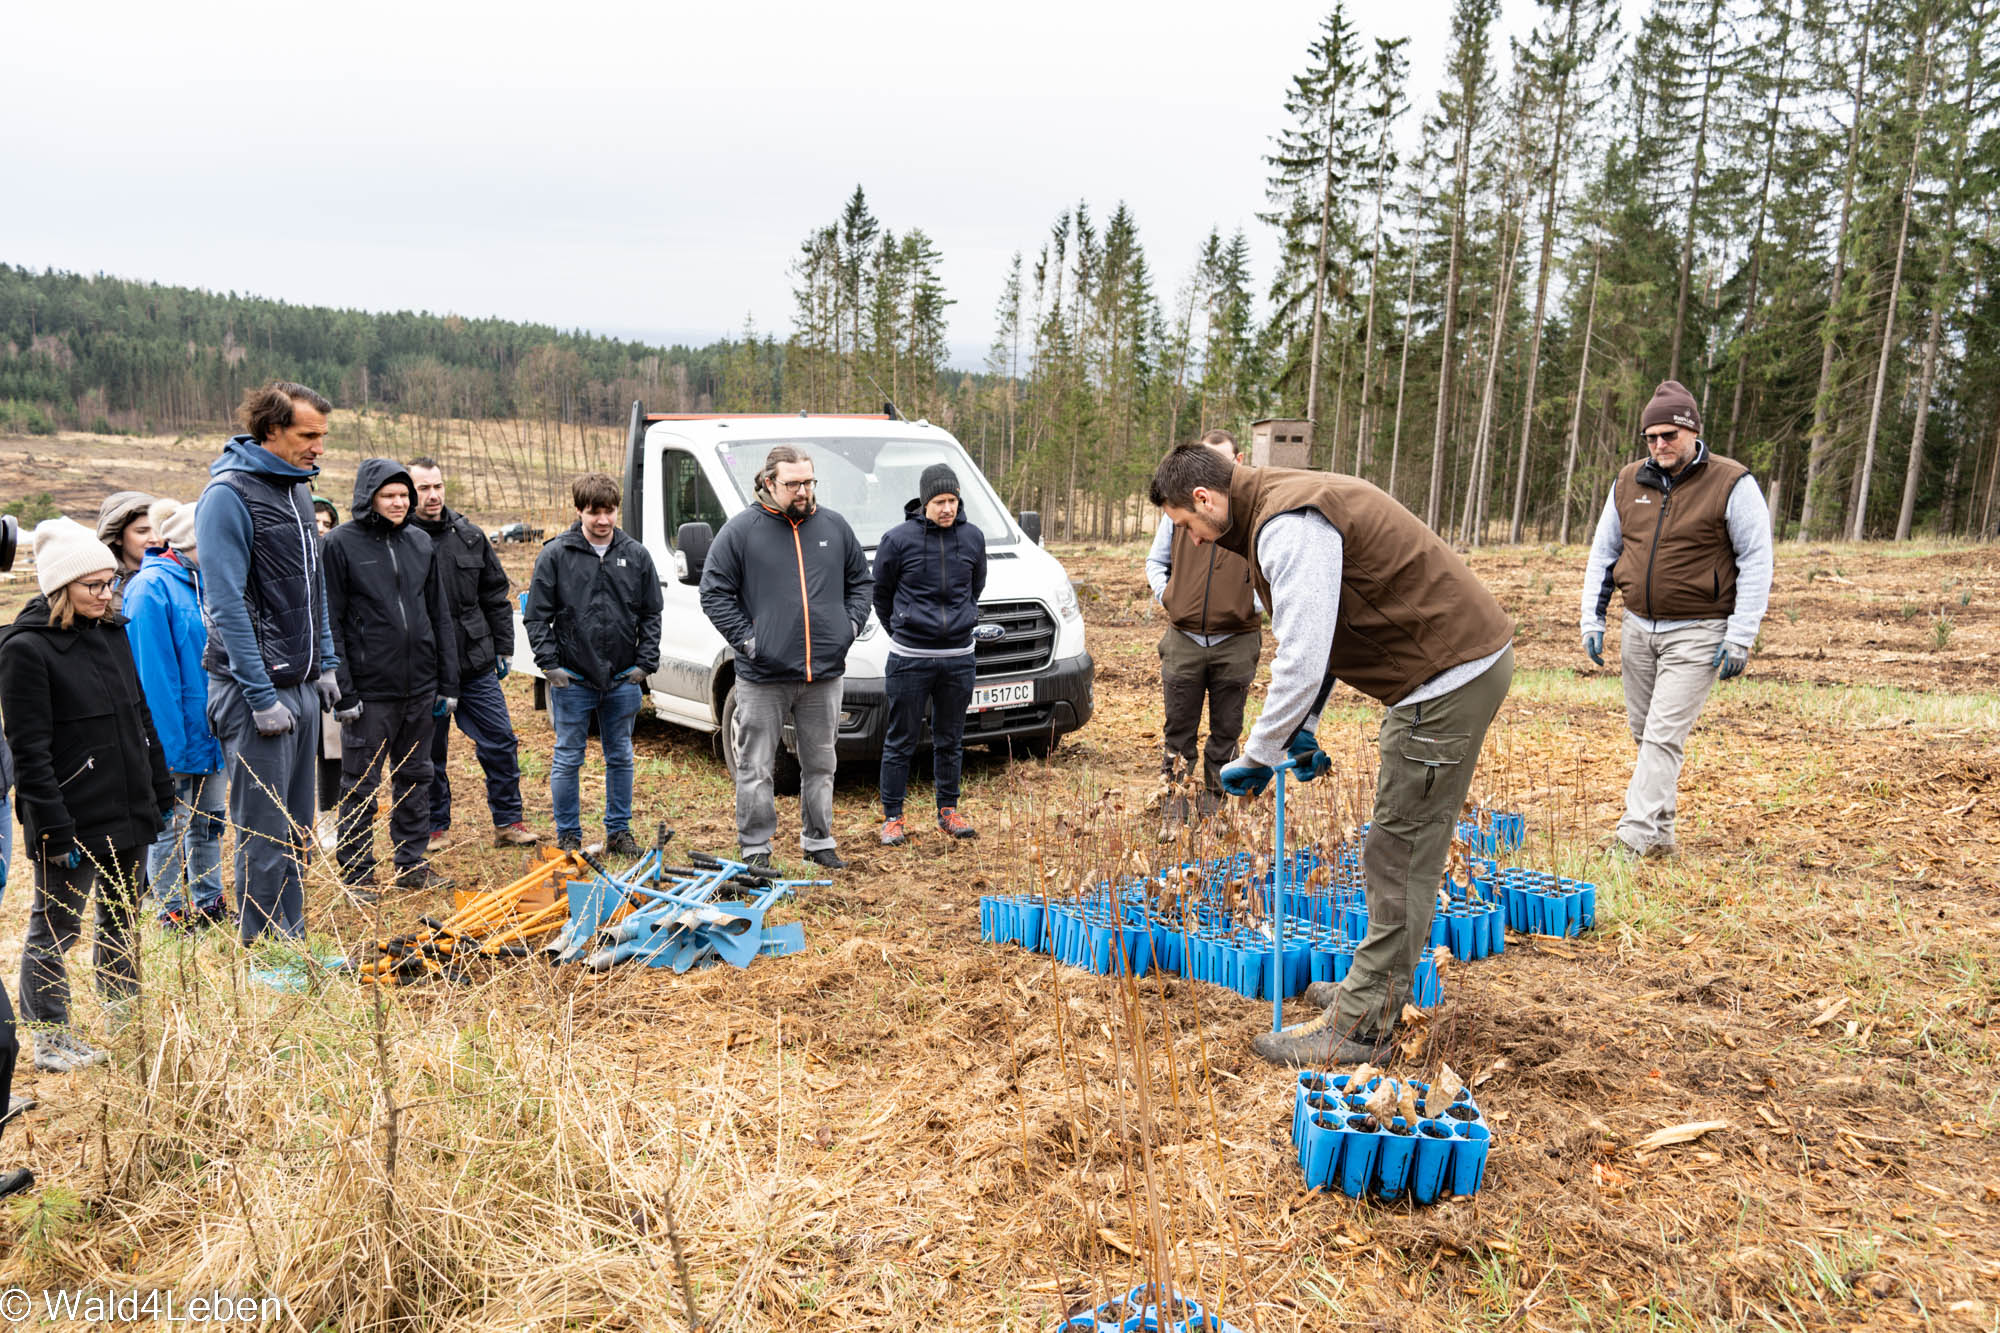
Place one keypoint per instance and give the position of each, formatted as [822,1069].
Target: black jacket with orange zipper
[788,596]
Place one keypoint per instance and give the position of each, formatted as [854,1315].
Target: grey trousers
[1428,752]
[1667,680]
[392,733]
[761,713]
[55,921]
[270,804]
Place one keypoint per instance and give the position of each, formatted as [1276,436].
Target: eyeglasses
[805,485]
[1661,437]
[97,587]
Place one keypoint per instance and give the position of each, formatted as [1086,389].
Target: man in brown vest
[1685,537]
[1214,635]
[1361,591]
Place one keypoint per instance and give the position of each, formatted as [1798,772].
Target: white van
[686,474]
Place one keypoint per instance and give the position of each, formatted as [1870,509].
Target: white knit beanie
[178,529]
[66,551]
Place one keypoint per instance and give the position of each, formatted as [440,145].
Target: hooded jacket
[89,767]
[788,595]
[165,630]
[392,627]
[482,611]
[596,619]
[263,589]
[928,580]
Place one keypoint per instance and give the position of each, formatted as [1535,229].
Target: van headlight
[1066,606]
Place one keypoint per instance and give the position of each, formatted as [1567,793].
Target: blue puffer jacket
[928,580]
[163,604]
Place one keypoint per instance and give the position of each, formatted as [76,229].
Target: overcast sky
[643,170]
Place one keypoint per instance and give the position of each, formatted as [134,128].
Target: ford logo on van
[990,633]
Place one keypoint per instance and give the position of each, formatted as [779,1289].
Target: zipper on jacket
[88,764]
[396,570]
[805,604]
[1659,530]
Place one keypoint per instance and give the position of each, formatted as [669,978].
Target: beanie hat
[118,510]
[1671,405]
[938,479]
[66,551]
[178,529]
[162,509]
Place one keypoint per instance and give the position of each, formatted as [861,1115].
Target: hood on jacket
[168,566]
[372,476]
[244,454]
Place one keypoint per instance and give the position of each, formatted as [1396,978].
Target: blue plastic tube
[1432,1161]
[1358,1146]
[1392,1162]
[1324,1139]
[1468,1156]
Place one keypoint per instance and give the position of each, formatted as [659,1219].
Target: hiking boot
[182,921]
[622,843]
[16,1180]
[893,832]
[569,842]
[1321,994]
[516,834]
[361,895]
[1661,851]
[828,857]
[63,1052]
[1319,1045]
[955,824]
[758,861]
[421,876]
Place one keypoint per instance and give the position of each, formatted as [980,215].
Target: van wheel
[785,766]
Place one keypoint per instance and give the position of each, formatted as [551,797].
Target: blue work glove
[1243,778]
[1730,660]
[559,679]
[501,666]
[1593,643]
[444,707]
[1308,760]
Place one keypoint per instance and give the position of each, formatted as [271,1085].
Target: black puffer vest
[282,595]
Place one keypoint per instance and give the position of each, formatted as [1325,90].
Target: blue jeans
[185,861]
[944,686]
[569,710]
[482,715]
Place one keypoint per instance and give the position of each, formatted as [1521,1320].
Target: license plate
[1007,694]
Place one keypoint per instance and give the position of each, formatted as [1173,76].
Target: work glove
[444,707]
[501,667]
[1593,643]
[634,675]
[348,716]
[70,855]
[329,689]
[273,721]
[559,679]
[1243,778]
[1730,660]
[1308,760]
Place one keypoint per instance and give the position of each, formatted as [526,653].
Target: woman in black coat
[91,784]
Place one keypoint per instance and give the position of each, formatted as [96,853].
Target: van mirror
[1031,523]
[692,543]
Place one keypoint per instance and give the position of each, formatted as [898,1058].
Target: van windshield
[867,481]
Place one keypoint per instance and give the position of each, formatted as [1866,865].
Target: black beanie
[1672,405]
[938,479]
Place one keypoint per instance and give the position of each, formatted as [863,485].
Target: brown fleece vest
[1208,589]
[1678,562]
[1410,608]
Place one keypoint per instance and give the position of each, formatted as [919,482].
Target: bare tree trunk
[1403,372]
[1858,527]
[1714,28]
[1819,452]
[1582,383]
[1473,529]
[1362,451]
[1319,266]
[1445,336]
[1771,120]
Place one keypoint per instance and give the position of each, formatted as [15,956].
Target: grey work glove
[444,707]
[273,721]
[559,678]
[1730,659]
[1593,643]
[633,675]
[328,685]
[347,717]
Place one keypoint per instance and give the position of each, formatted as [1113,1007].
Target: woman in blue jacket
[163,604]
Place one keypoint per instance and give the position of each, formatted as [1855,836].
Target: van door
[688,642]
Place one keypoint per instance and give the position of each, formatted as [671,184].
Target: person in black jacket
[593,619]
[93,787]
[787,586]
[929,572]
[483,616]
[398,654]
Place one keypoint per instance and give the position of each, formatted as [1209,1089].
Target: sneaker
[758,860]
[1662,851]
[516,834]
[361,895]
[63,1052]
[569,842]
[18,1106]
[827,857]
[438,838]
[421,876]
[622,843]
[893,832]
[954,823]
[181,920]
[217,913]
[329,832]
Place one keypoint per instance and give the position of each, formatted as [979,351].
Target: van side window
[686,495]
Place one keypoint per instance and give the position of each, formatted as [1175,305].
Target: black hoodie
[928,580]
[385,592]
[91,773]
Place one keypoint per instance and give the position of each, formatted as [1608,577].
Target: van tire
[785,767]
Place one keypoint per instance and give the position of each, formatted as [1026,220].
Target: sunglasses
[1661,437]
